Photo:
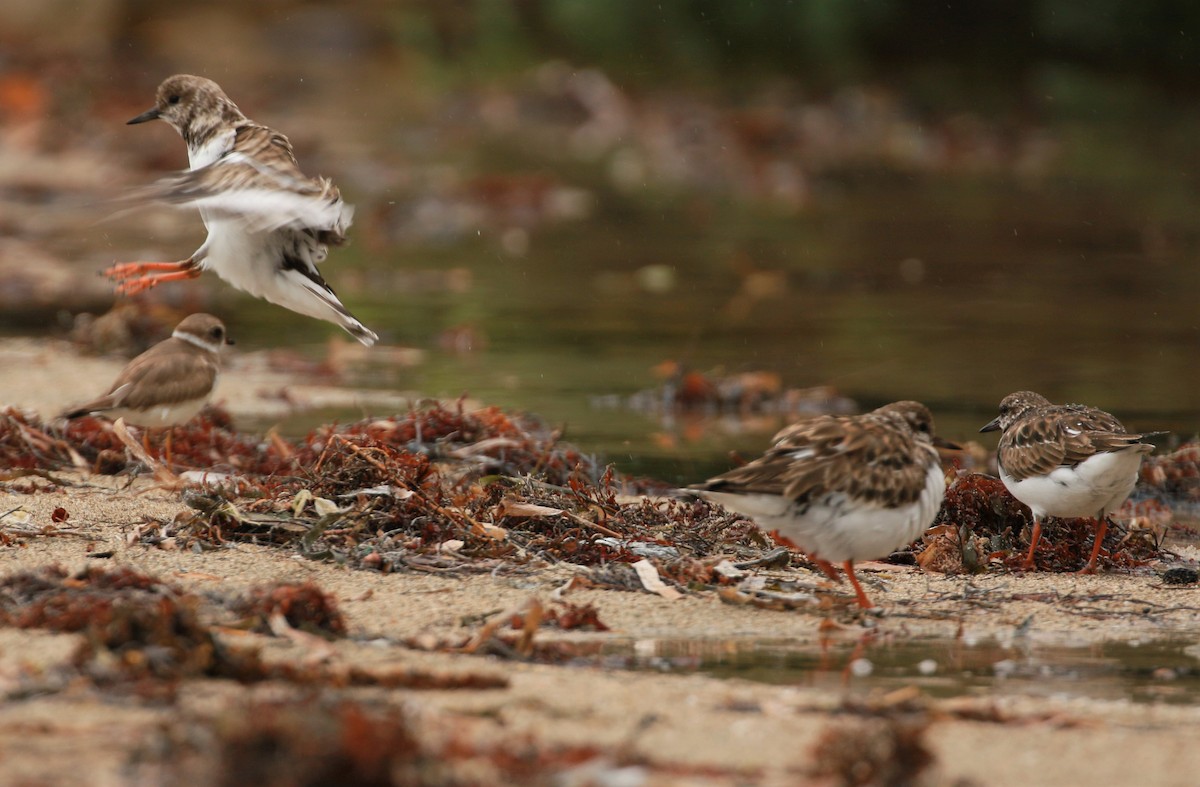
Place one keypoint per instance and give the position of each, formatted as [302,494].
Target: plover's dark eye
[173,99]
[216,333]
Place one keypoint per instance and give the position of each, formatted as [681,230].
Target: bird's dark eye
[173,99]
[216,333]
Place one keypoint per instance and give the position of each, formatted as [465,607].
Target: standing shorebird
[169,383]
[1065,460]
[843,488]
[269,225]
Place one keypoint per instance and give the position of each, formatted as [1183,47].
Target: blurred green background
[945,202]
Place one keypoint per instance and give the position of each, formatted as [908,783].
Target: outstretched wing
[259,182]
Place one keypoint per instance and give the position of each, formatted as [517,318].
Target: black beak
[949,446]
[150,114]
[229,340]
[991,425]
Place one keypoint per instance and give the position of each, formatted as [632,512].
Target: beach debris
[981,525]
[323,739]
[303,605]
[648,575]
[880,751]
[445,489]
[1180,575]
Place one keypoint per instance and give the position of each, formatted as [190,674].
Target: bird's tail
[358,330]
[331,309]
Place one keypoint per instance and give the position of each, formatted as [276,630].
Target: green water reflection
[1152,671]
[951,291]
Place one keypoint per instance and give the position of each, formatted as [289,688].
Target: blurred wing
[259,182]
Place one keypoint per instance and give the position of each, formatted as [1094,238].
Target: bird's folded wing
[833,455]
[1061,439]
[151,380]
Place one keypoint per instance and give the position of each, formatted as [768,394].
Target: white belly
[160,416]
[1096,487]
[249,261]
[836,528]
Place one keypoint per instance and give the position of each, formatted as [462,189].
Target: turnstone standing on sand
[1065,460]
[843,488]
[169,383]
[268,224]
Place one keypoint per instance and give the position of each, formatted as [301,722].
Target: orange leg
[826,568]
[863,601]
[167,451]
[1101,529]
[133,277]
[1033,542]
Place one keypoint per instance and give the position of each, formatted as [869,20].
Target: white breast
[218,146]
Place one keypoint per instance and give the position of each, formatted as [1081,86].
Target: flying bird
[269,225]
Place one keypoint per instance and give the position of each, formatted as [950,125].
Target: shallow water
[1146,671]
[954,292]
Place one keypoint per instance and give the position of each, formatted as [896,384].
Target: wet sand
[676,728]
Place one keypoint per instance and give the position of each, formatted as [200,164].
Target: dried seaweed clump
[486,442]
[309,742]
[208,441]
[1174,476]
[981,523]
[135,626]
[304,605]
[878,751]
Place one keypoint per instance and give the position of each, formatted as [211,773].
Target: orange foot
[133,277]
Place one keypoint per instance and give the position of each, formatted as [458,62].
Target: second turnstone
[843,488]
[269,225]
[1065,460]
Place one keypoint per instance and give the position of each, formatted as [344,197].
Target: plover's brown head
[204,331]
[1013,407]
[193,106]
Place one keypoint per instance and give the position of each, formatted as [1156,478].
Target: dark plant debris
[322,740]
[140,630]
[981,525]
[442,489]
[304,605]
[1180,575]
[742,393]
[135,626]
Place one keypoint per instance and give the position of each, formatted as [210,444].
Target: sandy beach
[576,723]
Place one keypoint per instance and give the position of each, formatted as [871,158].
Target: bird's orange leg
[1101,529]
[1033,542]
[863,601]
[134,277]
[826,568]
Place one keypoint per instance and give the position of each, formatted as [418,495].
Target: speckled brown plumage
[1065,460]
[842,488]
[880,457]
[1040,436]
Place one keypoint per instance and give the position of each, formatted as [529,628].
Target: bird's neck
[196,341]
